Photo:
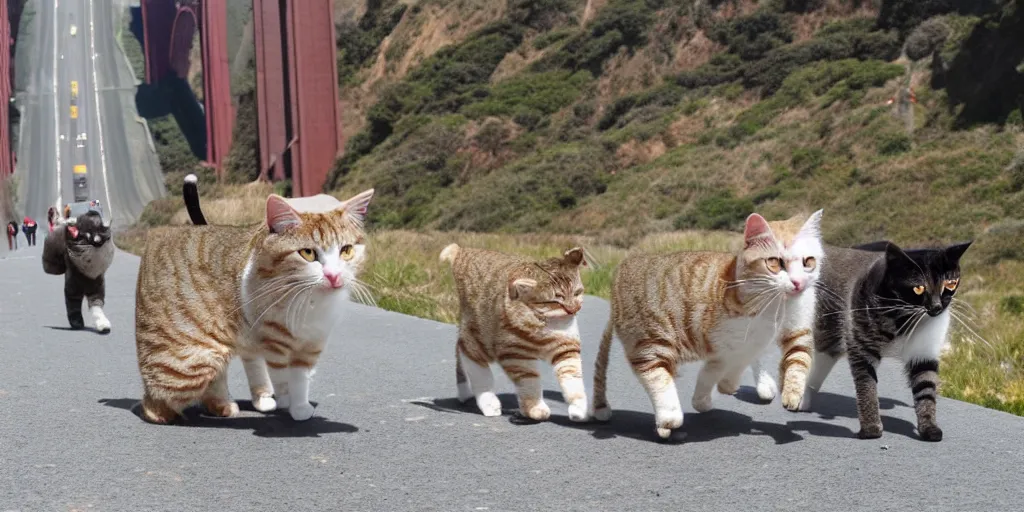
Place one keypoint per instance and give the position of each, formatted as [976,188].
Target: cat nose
[572,309]
[333,278]
[798,283]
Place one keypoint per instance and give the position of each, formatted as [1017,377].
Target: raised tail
[449,253]
[603,411]
[190,192]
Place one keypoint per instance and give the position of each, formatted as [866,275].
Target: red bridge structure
[296,80]
[10,16]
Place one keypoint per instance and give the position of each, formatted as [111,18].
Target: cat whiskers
[960,317]
[362,292]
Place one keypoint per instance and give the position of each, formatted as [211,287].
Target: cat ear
[812,227]
[895,255]
[756,230]
[280,215]
[356,205]
[955,252]
[520,287]
[574,256]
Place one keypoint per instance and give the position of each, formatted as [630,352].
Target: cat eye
[810,263]
[308,254]
[774,265]
[919,289]
[347,251]
[951,284]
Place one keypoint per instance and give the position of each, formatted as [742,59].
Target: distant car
[74,30]
[81,140]
[74,88]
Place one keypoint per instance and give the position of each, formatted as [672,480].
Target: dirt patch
[637,152]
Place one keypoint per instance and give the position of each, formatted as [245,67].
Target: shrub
[926,39]
[546,93]
[752,36]
[621,23]
[893,143]
[720,211]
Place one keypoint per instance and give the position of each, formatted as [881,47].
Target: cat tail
[449,253]
[190,192]
[602,411]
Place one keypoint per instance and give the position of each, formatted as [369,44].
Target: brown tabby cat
[270,293]
[691,306]
[516,311]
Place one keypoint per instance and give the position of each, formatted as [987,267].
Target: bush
[926,39]
[893,143]
[720,211]
[621,23]
[546,93]
[668,94]
[751,37]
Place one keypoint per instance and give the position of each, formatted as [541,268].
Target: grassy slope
[656,118]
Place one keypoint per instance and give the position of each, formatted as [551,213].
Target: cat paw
[578,411]
[464,393]
[668,420]
[77,325]
[223,409]
[602,413]
[702,403]
[930,433]
[728,388]
[264,403]
[301,412]
[283,402]
[538,412]
[870,431]
[103,325]
[767,389]
[489,404]
[805,402]
[791,400]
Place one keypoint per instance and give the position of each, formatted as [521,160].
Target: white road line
[99,121]
[56,100]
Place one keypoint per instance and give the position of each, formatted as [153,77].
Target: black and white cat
[82,250]
[881,301]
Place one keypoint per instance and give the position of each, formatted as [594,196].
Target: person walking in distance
[12,235]
[51,217]
[29,228]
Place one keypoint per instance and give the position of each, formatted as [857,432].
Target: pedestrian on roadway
[51,217]
[12,235]
[29,227]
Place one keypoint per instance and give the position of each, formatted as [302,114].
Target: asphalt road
[388,434]
[104,103]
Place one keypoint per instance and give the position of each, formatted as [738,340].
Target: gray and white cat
[82,251]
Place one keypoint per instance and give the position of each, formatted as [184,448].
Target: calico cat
[882,301]
[721,308]
[270,293]
[82,250]
[515,311]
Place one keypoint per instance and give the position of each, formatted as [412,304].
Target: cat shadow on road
[84,329]
[697,427]
[275,424]
[829,406]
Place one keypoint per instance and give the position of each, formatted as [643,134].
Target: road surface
[105,108]
[388,435]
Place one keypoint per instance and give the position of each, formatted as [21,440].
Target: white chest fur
[923,342]
[752,334]
[567,327]
[309,315]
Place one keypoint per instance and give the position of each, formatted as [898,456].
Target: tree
[926,39]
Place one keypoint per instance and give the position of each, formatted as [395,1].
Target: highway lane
[388,434]
[37,156]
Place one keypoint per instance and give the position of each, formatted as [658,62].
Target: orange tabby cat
[717,307]
[515,311]
[270,293]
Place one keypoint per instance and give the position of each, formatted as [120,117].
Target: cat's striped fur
[721,308]
[515,311]
[269,293]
